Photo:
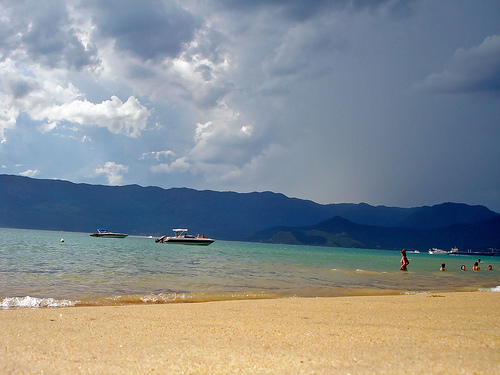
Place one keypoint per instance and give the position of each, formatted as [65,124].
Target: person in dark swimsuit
[404,260]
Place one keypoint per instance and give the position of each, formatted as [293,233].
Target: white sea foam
[33,302]
[162,298]
[415,293]
[495,289]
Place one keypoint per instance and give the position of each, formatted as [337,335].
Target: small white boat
[108,234]
[182,237]
[437,251]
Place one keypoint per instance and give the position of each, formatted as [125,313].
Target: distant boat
[106,233]
[455,251]
[182,237]
[437,251]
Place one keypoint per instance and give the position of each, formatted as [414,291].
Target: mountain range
[265,216]
[339,232]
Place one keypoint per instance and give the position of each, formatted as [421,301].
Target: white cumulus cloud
[127,118]
[113,172]
[30,173]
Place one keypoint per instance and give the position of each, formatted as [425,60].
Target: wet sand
[415,334]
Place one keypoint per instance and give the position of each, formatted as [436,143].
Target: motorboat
[106,233]
[437,251]
[182,237]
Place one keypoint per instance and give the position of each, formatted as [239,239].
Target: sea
[44,269]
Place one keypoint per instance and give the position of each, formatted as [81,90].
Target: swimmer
[404,260]
[443,267]
[463,268]
[476,267]
[490,268]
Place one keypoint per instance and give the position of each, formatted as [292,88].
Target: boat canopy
[180,230]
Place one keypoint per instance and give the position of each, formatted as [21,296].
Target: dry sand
[451,333]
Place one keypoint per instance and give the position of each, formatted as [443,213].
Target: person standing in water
[443,267]
[404,260]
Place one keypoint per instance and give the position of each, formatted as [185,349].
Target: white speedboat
[437,251]
[182,237]
[108,234]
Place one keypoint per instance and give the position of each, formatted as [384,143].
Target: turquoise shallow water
[38,270]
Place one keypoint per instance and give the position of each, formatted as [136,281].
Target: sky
[386,102]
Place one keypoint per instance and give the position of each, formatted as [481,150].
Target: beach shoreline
[423,333]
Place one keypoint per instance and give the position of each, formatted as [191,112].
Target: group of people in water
[404,263]
[476,267]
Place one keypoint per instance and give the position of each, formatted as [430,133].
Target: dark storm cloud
[45,33]
[147,29]
[20,86]
[140,72]
[205,71]
[7,40]
[470,70]
[300,10]
[294,9]
[305,50]
[306,98]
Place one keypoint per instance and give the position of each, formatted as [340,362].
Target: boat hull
[483,253]
[438,252]
[109,235]
[183,238]
[187,241]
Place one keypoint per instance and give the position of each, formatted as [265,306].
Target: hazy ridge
[272,217]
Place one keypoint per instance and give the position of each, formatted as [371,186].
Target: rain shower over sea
[37,269]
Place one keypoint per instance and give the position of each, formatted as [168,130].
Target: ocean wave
[119,300]
[415,293]
[33,302]
[495,289]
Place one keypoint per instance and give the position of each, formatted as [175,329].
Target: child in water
[443,267]
[404,260]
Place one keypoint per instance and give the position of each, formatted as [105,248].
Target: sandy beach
[427,333]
